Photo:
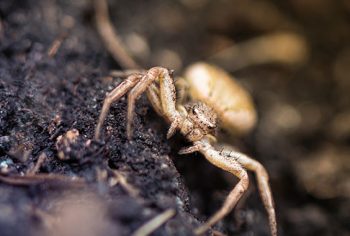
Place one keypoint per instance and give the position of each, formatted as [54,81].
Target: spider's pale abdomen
[231,102]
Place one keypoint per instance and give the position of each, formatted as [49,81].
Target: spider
[197,122]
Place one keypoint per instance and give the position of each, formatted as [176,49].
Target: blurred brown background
[300,86]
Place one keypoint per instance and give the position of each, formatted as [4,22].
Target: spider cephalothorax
[203,120]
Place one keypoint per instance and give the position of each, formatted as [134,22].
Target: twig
[131,190]
[56,44]
[111,38]
[38,164]
[41,179]
[154,223]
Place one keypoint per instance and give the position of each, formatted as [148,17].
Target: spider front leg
[182,87]
[230,165]
[113,96]
[262,180]
[168,98]
[153,97]
[163,100]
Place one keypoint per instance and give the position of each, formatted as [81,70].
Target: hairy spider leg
[231,165]
[182,87]
[163,99]
[262,180]
[113,96]
[166,96]
[153,97]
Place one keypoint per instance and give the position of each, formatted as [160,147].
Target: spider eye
[212,126]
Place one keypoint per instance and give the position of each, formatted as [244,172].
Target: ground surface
[43,97]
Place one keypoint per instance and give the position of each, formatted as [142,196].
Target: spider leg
[182,88]
[153,97]
[126,73]
[190,149]
[168,101]
[231,165]
[263,184]
[153,94]
[163,100]
[197,146]
[152,75]
[113,96]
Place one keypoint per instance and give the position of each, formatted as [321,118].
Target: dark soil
[42,97]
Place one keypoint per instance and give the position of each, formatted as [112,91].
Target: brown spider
[197,122]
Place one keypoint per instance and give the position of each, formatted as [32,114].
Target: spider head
[203,117]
